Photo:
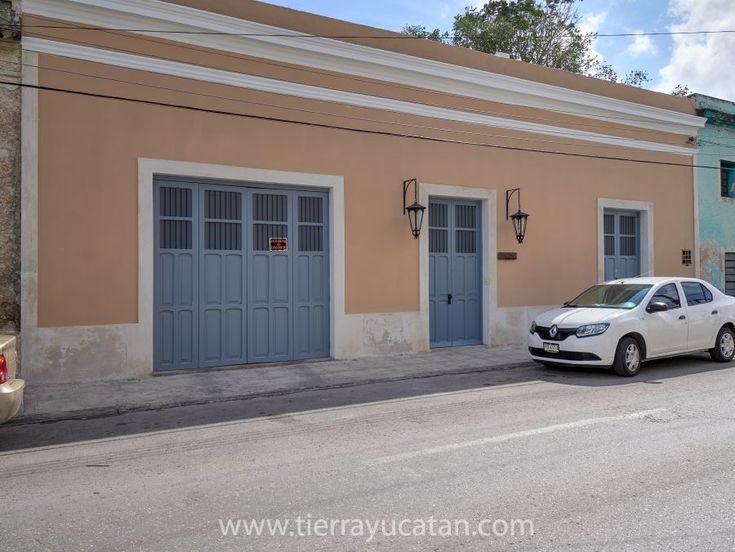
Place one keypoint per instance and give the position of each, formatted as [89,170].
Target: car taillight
[3,369]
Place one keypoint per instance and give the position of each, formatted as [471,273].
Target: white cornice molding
[252,82]
[357,60]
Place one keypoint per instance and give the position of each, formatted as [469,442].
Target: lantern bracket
[508,196]
[406,186]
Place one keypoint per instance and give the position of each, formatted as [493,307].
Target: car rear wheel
[724,350]
[627,357]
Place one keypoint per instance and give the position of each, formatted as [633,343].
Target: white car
[11,387]
[622,323]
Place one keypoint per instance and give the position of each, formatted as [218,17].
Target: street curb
[106,412]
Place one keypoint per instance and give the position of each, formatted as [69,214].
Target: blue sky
[668,61]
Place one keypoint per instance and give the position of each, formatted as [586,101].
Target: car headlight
[591,329]
[532,329]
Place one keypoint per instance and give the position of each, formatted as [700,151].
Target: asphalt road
[528,459]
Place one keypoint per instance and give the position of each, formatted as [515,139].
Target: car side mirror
[657,306]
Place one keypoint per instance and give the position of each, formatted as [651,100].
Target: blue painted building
[715,185]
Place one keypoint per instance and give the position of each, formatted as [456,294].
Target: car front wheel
[627,357]
[724,350]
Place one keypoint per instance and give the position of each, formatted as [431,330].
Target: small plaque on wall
[507,255]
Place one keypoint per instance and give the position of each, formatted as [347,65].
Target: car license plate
[551,347]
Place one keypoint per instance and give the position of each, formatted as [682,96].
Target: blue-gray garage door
[241,275]
[622,244]
[455,298]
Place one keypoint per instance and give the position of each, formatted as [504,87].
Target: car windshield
[611,296]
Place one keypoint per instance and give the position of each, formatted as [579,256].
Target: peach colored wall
[88,151]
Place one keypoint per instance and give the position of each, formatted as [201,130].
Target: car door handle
[682,317]
[715,312]
[449,299]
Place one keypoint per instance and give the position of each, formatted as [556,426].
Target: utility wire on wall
[561,131]
[352,129]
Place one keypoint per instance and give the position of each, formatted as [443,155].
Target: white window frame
[645,212]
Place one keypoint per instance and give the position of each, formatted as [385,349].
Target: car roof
[653,280]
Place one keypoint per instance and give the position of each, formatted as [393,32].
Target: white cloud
[591,23]
[642,45]
[703,62]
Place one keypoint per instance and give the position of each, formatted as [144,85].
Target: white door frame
[148,169]
[488,224]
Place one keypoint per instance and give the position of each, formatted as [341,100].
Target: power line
[564,132]
[351,129]
[571,136]
[665,33]
[610,119]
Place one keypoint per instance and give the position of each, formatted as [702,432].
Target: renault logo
[553,331]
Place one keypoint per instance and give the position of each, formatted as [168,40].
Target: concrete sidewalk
[108,398]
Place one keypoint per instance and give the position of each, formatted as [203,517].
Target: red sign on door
[279,244]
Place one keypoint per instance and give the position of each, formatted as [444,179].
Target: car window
[611,296]
[668,295]
[696,293]
[707,293]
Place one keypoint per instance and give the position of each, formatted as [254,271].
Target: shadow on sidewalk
[652,372]
[24,436]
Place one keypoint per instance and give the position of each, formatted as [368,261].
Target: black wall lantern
[415,211]
[519,218]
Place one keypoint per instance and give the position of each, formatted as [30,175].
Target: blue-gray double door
[622,244]
[455,295]
[241,275]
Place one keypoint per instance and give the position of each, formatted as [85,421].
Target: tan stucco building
[207,186]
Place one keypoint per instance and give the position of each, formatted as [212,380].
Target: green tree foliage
[419,31]
[605,71]
[681,90]
[544,32]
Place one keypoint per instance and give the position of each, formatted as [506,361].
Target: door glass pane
[175,234]
[270,207]
[694,293]
[175,206]
[668,295]
[627,246]
[311,238]
[438,215]
[226,236]
[262,234]
[222,205]
[437,240]
[175,202]
[466,216]
[310,209]
[311,223]
[466,241]
[628,225]
[609,224]
[609,245]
